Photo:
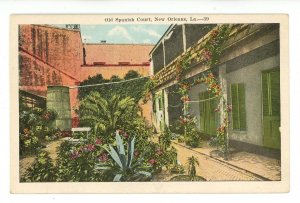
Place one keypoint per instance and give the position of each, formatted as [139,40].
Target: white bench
[82,129]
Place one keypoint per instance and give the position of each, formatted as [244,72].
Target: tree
[106,116]
[134,88]
[132,74]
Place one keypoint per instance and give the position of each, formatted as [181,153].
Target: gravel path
[27,161]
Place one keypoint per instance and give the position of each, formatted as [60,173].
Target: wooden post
[223,106]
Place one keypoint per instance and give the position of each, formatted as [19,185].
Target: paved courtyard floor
[240,166]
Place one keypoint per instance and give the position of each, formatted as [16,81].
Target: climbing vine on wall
[210,54]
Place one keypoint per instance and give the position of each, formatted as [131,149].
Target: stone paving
[240,166]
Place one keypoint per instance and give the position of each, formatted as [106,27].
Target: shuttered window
[271,108]
[237,92]
[208,115]
[271,93]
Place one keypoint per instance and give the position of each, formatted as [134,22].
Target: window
[98,63]
[237,92]
[124,63]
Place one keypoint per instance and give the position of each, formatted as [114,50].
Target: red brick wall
[49,56]
[62,48]
[54,56]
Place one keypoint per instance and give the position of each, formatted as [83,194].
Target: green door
[271,108]
[208,115]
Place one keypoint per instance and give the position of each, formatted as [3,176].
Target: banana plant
[123,166]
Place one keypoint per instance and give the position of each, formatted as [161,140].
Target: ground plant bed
[187,178]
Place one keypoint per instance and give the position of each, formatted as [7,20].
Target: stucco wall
[251,77]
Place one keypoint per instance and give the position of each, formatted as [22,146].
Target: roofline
[158,42]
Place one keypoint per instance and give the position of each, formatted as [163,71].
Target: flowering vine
[149,89]
[209,56]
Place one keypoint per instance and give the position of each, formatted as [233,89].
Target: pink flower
[90,147]
[136,153]
[125,135]
[229,108]
[98,141]
[152,162]
[159,152]
[75,155]
[103,157]
[26,131]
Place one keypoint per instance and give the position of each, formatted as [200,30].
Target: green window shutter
[208,116]
[237,92]
[265,90]
[201,106]
[242,106]
[212,115]
[275,92]
[235,106]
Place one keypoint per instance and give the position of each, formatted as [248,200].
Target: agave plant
[192,161]
[124,167]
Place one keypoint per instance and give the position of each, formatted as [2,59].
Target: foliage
[134,88]
[34,128]
[42,169]
[138,128]
[159,158]
[192,162]
[182,65]
[31,117]
[75,163]
[210,55]
[187,178]
[131,74]
[149,87]
[106,116]
[122,166]
[177,168]
[29,143]
[215,46]
[165,138]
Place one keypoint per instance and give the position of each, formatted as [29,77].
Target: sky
[128,33]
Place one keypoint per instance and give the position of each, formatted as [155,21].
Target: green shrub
[75,163]
[165,138]
[105,116]
[42,170]
[34,128]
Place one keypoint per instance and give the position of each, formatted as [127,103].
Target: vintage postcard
[149,103]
